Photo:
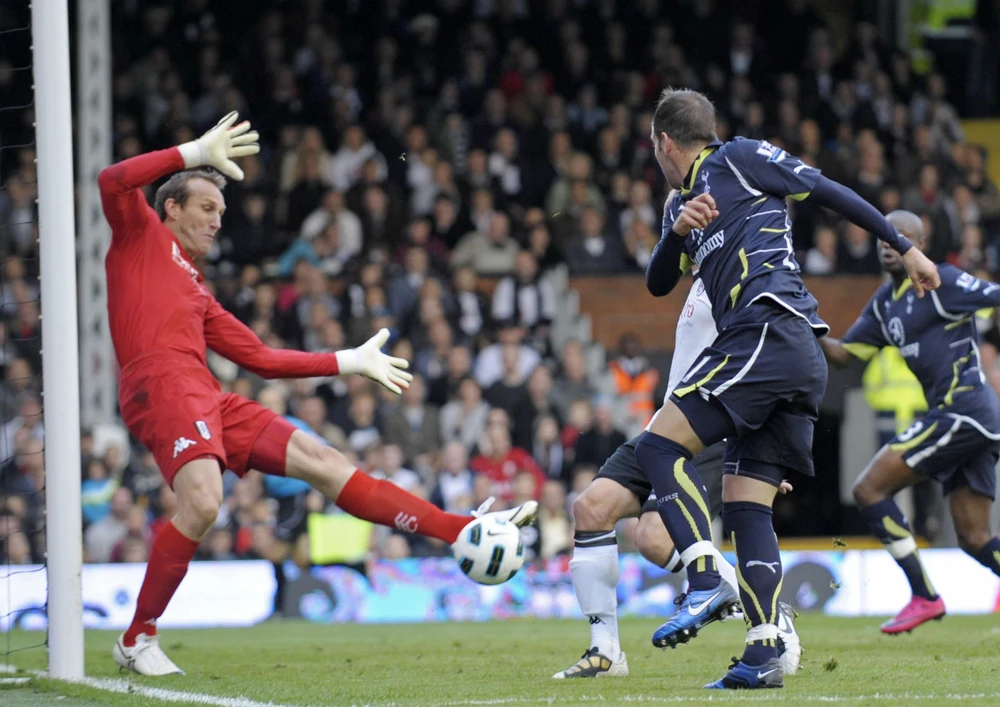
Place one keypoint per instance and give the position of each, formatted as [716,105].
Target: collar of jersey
[188,258]
[693,172]
[896,294]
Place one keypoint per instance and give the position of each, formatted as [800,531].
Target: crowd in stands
[425,167]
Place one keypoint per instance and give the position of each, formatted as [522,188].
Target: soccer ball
[489,550]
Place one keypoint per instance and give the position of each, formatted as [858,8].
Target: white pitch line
[128,687]
[122,686]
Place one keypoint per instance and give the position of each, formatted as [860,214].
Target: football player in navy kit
[759,385]
[956,443]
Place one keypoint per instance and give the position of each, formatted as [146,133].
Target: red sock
[385,503]
[168,563]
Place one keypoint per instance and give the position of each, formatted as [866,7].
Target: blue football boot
[750,677]
[696,609]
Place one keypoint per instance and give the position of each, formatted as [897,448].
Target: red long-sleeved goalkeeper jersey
[157,306]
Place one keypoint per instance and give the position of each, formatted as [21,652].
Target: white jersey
[695,332]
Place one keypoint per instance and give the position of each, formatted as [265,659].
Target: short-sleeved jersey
[746,254]
[936,334]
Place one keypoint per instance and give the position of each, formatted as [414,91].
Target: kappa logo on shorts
[203,429]
[181,444]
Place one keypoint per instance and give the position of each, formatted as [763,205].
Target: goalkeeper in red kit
[162,321]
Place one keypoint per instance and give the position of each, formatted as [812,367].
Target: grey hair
[687,116]
[176,188]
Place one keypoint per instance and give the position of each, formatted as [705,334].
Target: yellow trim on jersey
[907,284]
[685,263]
[955,325]
[768,266]
[681,392]
[689,185]
[865,352]
[954,388]
[759,201]
[910,444]
[800,197]
[775,230]
[735,292]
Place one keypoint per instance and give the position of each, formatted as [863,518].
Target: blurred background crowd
[427,166]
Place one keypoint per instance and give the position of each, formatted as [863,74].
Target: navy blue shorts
[958,446]
[622,468]
[766,372]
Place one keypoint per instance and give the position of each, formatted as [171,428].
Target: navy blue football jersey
[746,254]
[936,334]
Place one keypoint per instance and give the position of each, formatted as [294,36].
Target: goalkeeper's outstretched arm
[125,206]
[229,337]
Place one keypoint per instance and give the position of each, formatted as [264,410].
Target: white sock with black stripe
[594,569]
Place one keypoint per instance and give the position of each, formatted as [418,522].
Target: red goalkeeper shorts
[181,415]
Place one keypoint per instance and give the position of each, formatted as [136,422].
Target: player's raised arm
[836,197]
[765,167]
[229,337]
[124,205]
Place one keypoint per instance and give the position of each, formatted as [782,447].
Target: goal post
[60,340]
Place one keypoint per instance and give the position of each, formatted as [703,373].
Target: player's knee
[320,466]
[865,493]
[200,510]
[591,512]
[652,539]
[972,539]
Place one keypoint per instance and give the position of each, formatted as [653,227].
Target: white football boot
[789,645]
[145,657]
[520,516]
[595,665]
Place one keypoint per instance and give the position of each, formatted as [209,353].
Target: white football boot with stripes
[595,665]
[789,645]
[145,657]
[520,515]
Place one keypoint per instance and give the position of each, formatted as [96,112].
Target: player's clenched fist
[369,361]
[696,214]
[220,145]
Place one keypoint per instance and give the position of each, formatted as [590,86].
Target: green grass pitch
[295,663]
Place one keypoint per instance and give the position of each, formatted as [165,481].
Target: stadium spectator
[463,420]
[554,525]
[500,461]
[453,491]
[592,250]
[525,299]
[572,384]
[390,467]
[101,537]
[821,259]
[635,379]
[413,424]
[491,252]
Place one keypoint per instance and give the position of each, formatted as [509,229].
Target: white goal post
[60,340]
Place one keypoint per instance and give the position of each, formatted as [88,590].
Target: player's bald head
[909,224]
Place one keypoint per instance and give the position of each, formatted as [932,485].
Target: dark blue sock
[758,569]
[888,524]
[989,555]
[683,505]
